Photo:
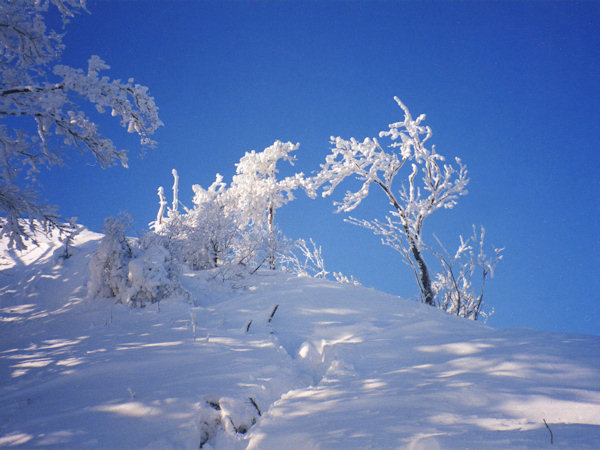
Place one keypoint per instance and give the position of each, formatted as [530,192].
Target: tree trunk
[215,254]
[423,275]
[426,290]
[272,260]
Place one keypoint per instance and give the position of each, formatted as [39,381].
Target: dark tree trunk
[215,254]
[272,260]
[423,275]
[425,287]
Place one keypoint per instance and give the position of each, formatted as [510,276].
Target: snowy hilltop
[273,361]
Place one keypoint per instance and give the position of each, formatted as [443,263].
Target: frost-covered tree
[207,235]
[109,266]
[161,210]
[258,191]
[131,271]
[214,222]
[175,207]
[68,238]
[42,114]
[428,185]
[152,274]
[157,224]
[231,224]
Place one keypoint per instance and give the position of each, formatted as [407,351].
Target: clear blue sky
[513,88]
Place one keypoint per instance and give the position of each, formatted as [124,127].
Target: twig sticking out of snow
[193,323]
[550,431]
[241,429]
[214,405]
[273,313]
[255,405]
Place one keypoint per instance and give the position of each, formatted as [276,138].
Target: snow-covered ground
[337,366]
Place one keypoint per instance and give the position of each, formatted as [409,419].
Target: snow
[337,366]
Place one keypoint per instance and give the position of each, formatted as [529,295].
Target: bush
[133,271]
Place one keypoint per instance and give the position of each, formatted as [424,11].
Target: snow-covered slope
[337,366]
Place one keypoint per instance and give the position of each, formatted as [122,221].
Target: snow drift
[274,361]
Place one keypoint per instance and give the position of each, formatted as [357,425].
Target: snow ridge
[274,362]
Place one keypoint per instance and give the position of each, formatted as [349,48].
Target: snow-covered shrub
[152,275]
[133,271]
[109,266]
[341,278]
[455,289]
[183,241]
[303,260]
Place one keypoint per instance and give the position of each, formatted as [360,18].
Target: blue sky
[512,88]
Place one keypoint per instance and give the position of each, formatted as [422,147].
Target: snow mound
[274,362]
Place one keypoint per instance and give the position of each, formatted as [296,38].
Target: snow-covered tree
[175,207]
[132,271]
[161,210]
[152,274]
[438,186]
[207,235]
[69,236]
[214,223]
[109,266]
[157,224]
[258,191]
[42,112]
[232,224]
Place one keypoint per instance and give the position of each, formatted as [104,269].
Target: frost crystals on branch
[439,185]
[456,291]
[132,271]
[308,263]
[36,93]
[235,224]
[259,194]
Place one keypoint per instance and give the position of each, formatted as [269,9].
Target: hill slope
[337,366]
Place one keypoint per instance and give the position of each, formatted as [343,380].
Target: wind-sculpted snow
[274,362]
